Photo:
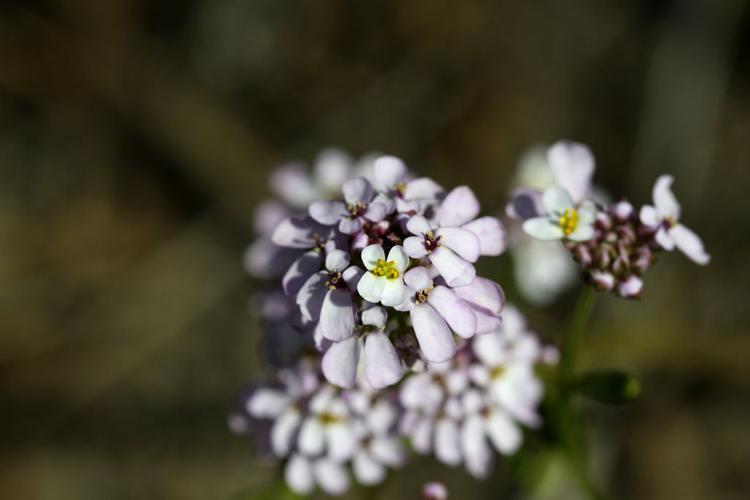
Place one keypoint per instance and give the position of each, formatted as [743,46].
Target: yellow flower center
[497,372]
[327,418]
[568,221]
[386,269]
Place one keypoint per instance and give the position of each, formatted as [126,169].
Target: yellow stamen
[386,269]
[328,418]
[568,221]
[497,372]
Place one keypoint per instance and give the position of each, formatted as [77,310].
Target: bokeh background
[136,137]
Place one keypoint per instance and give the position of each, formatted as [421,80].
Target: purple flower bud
[434,490]
[603,280]
[623,211]
[630,288]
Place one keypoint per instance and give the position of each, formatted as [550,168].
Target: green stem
[572,340]
[570,422]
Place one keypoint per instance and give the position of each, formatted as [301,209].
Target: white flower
[457,239]
[360,205]
[664,216]
[326,297]
[384,280]
[381,364]
[564,220]
[435,312]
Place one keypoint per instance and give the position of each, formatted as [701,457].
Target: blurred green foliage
[136,137]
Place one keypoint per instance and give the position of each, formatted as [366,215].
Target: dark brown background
[135,139]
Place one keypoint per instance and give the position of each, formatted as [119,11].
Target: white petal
[664,239]
[689,243]
[459,207]
[572,165]
[296,233]
[455,311]
[357,190]
[388,172]
[587,213]
[490,349]
[463,242]
[556,200]
[382,366]
[340,362]
[447,445]
[394,292]
[381,417]
[418,278]
[371,255]
[267,403]
[484,293]
[332,477]
[349,225]
[337,260]
[341,441]
[398,255]
[414,246]
[327,212]
[375,316]
[376,212]
[542,228]
[433,334]
[298,475]
[421,436]
[352,275]
[332,168]
[649,216]
[311,440]
[423,188]
[418,225]
[310,297]
[583,232]
[300,271]
[491,234]
[665,201]
[455,270]
[337,315]
[367,470]
[486,322]
[283,430]
[476,451]
[505,435]
[388,450]
[370,287]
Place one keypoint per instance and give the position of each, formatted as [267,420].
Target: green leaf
[612,387]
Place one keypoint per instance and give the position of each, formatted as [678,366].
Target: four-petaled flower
[384,280]
[564,220]
[360,205]
[664,216]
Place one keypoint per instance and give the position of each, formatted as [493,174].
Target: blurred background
[136,137]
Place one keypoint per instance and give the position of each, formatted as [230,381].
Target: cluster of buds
[619,253]
[614,246]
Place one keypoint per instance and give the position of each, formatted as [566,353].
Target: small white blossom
[664,217]
[563,220]
[384,280]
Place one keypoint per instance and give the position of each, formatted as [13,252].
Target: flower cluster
[382,333]
[463,409]
[613,244]
[322,432]
[391,262]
